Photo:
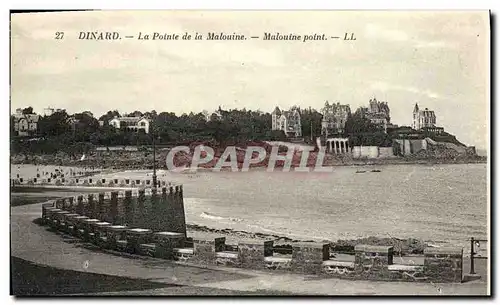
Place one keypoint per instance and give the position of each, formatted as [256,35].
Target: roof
[427,112]
[29,117]
[290,114]
[335,108]
[277,110]
[130,119]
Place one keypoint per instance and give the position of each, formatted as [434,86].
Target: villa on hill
[287,121]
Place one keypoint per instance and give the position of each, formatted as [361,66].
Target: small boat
[376,171]
[360,171]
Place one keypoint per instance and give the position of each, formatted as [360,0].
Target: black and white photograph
[250,153]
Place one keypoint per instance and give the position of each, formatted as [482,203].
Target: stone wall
[309,257]
[252,254]
[443,264]
[385,152]
[405,146]
[365,152]
[160,209]
[155,231]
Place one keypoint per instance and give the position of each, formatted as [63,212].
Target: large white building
[131,123]
[423,118]
[288,121]
[25,124]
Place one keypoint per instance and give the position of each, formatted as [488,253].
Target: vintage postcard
[191,152]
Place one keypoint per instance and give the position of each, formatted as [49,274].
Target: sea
[444,205]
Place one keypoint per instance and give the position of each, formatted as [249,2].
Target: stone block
[59,204]
[79,225]
[153,212]
[45,208]
[128,208]
[147,250]
[377,257]
[278,263]
[113,208]
[100,233]
[166,242]
[68,220]
[102,207]
[65,204]
[51,212]
[251,254]
[71,221]
[443,265]
[227,258]
[92,207]
[204,249]
[88,229]
[58,217]
[79,205]
[71,202]
[308,257]
[136,237]
[113,234]
[139,216]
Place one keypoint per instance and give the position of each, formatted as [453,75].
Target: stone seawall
[135,205]
[148,223]
[158,210]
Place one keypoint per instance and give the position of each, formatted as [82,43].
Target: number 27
[59,35]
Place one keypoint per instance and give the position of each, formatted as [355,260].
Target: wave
[217,217]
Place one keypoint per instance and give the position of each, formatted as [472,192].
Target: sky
[439,60]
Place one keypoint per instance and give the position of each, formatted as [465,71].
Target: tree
[28,110]
[357,123]
[12,126]
[55,124]
[109,116]
[84,126]
[310,117]
[136,113]
[361,131]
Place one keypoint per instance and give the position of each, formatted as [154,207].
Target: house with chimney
[287,121]
[25,124]
[334,118]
